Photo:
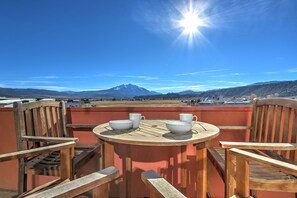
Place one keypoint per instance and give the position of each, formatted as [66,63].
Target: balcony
[227,115]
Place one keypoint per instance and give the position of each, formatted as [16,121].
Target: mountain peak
[129,91]
[127,87]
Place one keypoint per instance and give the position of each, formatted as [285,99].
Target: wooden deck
[7,193]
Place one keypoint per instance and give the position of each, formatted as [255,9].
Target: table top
[155,133]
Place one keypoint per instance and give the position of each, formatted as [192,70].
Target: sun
[193,18]
[191,23]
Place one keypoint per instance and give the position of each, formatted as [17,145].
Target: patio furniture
[158,186]
[43,123]
[154,133]
[62,187]
[244,160]
[274,125]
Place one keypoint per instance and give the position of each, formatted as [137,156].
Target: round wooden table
[155,133]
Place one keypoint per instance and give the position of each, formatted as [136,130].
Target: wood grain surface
[155,133]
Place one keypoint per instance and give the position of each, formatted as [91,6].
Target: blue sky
[91,45]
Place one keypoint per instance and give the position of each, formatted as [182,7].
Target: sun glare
[192,20]
[190,23]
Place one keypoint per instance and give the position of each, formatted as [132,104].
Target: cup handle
[195,118]
[142,117]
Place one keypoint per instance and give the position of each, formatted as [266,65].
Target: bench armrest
[80,185]
[276,164]
[36,151]
[49,139]
[261,146]
[158,185]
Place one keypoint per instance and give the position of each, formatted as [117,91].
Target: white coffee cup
[187,117]
[135,118]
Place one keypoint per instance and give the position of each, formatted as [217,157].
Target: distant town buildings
[89,102]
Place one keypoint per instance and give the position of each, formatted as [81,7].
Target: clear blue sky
[90,45]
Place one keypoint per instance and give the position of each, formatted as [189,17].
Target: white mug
[135,118]
[187,117]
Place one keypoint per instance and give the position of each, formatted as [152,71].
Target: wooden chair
[243,160]
[274,125]
[158,186]
[44,123]
[62,187]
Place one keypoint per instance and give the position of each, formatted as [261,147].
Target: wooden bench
[274,123]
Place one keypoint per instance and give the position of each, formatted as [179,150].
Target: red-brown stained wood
[184,169]
[278,124]
[293,154]
[128,171]
[258,132]
[265,123]
[271,125]
[286,126]
[254,122]
[286,130]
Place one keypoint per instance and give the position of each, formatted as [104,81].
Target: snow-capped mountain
[128,91]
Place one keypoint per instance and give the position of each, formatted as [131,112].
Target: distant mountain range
[273,88]
[122,91]
[262,89]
